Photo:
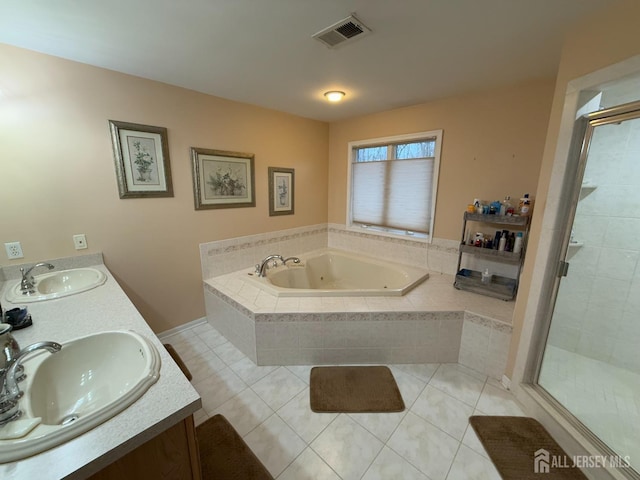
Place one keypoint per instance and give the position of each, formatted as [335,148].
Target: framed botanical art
[281,191]
[222,179]
[142,160]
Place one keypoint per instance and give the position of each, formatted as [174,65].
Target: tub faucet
[10,393]
[27,283]
[261,267]
[293,259]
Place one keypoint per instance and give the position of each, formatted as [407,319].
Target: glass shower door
[591,362]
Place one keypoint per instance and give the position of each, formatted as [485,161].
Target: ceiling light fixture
[334,95]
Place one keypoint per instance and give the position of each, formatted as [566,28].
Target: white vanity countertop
[166,403]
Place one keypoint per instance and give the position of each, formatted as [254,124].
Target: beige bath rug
[224,455]
[354,390]
[521,449]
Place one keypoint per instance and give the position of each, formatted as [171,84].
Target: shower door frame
[579,149]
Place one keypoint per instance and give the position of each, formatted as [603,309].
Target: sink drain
[69,419]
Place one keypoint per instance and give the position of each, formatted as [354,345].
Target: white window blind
[393,185]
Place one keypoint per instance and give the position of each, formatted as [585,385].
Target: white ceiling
[261,51]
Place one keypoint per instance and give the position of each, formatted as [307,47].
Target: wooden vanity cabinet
[172,455]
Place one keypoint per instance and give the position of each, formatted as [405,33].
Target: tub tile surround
[226,256]
[434,323]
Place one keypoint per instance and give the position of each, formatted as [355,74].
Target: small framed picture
[222,179]
[142,160]
[281,191]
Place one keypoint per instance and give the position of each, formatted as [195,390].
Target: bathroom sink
[90,380]
[58,284]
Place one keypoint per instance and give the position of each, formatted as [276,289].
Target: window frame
[389,141]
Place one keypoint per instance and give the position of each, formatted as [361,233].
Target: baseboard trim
[181,328]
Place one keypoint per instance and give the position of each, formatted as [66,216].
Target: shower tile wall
[597,314]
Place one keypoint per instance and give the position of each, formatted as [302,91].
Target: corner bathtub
[331,272]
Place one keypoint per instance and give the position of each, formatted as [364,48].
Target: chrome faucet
[9,348]
[293,259]
[261,268]
[27,283]
[10,393]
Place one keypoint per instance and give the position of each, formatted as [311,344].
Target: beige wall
[492,146]
[597,42]
[58,177]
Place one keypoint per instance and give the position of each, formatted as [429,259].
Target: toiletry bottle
[496,239]
[478,240]
[486,277]
[503,243]
[517,246]
[509,210]
[502,246]
[504,205]
[511,240]
[525,204]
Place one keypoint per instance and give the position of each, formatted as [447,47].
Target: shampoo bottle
[517,246]
[503,243]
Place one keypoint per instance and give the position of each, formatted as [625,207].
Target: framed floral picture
[142,160]
[281,195]
[222,179]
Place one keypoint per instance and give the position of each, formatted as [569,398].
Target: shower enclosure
[591,361]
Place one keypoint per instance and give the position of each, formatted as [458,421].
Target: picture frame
[141,154]
[223,179]
[281,191]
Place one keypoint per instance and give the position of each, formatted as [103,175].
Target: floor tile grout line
[454,459]
[408,461]
[306,445]
[321,458]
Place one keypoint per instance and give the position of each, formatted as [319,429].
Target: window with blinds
[394,181]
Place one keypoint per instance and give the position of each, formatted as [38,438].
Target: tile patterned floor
[269,407]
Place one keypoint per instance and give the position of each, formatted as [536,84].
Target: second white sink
[67,393]
[58,284]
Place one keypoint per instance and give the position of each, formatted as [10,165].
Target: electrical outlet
[14,250]
[80,241]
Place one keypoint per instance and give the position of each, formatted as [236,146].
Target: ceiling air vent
[342,32]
